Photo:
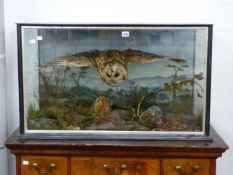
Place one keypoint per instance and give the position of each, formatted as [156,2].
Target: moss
[88,120]
[183,104]
[32,113]
[62,122]
[50,112]
[55,113]
[199,120]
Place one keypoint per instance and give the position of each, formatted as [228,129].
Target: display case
[114,81]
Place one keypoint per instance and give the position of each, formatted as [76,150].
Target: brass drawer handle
[179,169]
[195,168]
[50,169]
[122,168]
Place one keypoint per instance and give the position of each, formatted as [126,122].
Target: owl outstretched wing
[80,59]
[88,58]
[139,57]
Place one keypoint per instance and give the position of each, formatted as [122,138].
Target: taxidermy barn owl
[111,64]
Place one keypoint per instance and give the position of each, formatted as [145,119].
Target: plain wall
[3,127]
[2,48]
[218,12]
[3,134]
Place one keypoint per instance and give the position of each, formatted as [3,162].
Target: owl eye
[116,74]
[108,75]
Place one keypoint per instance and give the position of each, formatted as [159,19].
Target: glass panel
[149,79]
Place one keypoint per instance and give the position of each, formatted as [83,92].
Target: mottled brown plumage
[112,64]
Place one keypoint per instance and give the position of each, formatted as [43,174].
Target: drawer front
[43,165]
[114,166]
[186,167]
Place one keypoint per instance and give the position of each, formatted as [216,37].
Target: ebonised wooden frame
[114,136]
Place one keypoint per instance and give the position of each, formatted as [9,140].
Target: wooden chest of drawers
[54,165]
[112,157]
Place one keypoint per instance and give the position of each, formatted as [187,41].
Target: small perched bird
[111,64]
[101,105]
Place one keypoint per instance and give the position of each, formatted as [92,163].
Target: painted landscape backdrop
[165,95]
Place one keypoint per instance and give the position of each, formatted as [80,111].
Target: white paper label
[25,162]
[39,38]
[125,34]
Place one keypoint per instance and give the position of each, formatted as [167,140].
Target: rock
[134,126]
[102,126]
[178,122]
[101,105]
[76,120]
[124,115]
[151,117]
[107,121]
[115,121]
[155,109]
[71,127]
[43,124]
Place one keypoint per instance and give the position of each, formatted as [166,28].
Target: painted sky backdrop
[175,43]
[186,43]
